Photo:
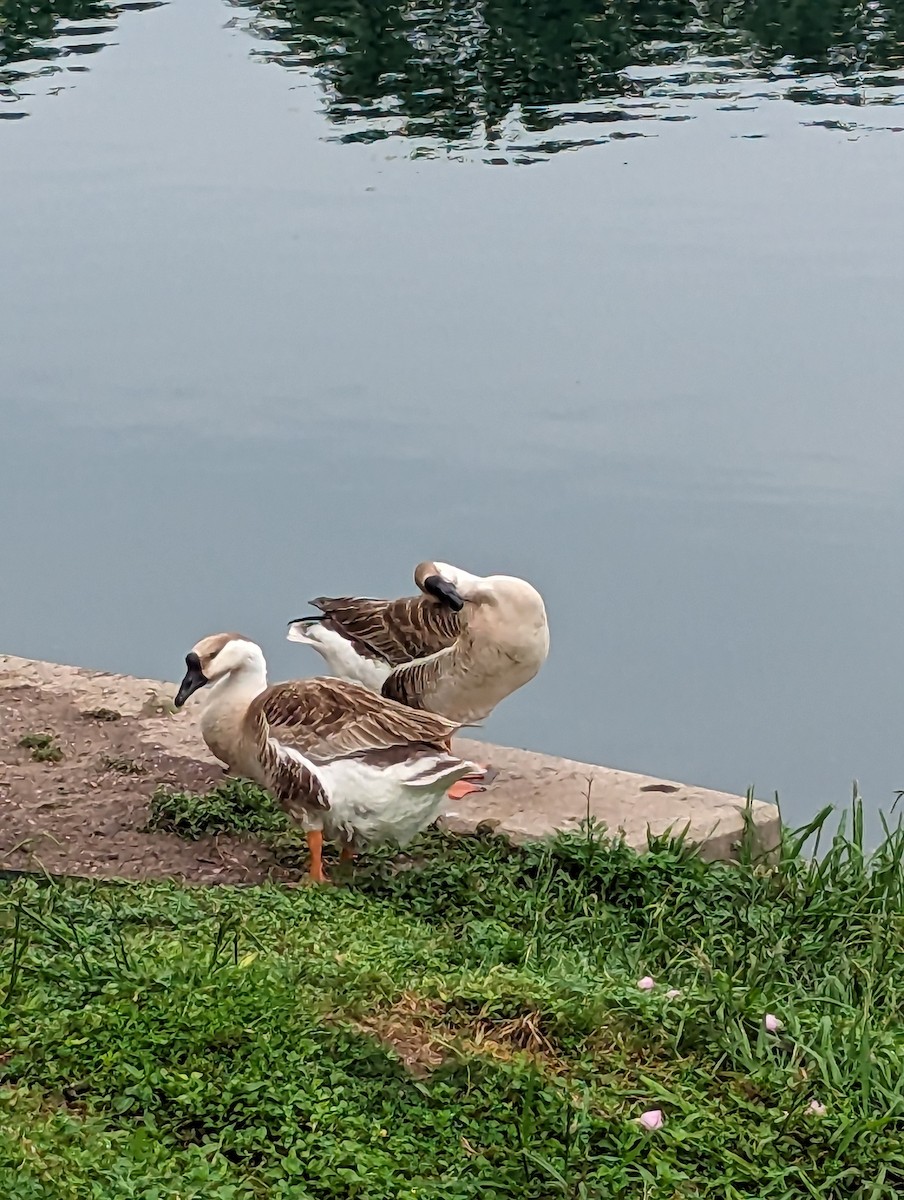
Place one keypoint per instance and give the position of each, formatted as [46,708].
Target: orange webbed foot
[459,790]
[475,782]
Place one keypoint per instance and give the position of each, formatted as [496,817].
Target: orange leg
[347,854]
[463,787]
[315,846]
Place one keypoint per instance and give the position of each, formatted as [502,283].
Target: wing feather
[295,785]
[413,683]
[396,631]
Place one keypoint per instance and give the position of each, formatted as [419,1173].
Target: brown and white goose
[458,649]
[344,763]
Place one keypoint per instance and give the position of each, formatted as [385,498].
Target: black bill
[444,591]
[194,679]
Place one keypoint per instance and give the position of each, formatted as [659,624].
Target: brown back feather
[327,719]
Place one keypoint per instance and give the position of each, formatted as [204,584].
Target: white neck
[242,684]
[225,704]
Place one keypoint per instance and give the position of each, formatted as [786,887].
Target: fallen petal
[817,1109]
[772,1023]
[647,983]
[672,993]
[651,1119]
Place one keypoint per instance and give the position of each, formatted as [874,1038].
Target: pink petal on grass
[651,1119]
[672,993]
[647,983]
[817,1109]
[771,1023]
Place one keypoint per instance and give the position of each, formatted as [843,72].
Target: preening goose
[345,763]
[458,649]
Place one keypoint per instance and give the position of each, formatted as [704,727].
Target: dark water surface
[296,294]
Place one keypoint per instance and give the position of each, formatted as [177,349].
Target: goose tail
[300,629]
[436,769]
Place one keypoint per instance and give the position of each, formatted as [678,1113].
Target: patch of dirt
[422,1034]
[504,1038]
[85,813]
[410,1028]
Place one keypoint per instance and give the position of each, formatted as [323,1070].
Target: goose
[458,649]
[344,763]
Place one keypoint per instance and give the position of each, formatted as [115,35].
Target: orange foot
[464,787]
[315,845]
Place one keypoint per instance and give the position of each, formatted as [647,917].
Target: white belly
[370,807]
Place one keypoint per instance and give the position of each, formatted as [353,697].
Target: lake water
[607,296]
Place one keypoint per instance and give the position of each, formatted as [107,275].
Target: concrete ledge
[532,796]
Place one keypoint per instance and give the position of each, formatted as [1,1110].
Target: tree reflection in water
[48,40]
[530,78]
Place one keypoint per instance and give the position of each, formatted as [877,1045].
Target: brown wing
[393,630]
[412,683]
[330,718]
[295,786]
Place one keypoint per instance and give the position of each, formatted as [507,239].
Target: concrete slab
[532,796]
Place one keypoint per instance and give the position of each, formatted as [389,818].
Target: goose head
[218,656]
[456,587]
[439,581]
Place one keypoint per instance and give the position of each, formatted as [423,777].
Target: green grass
[43,747]
[226,1044]
[102,714]
[235,806]
[121,764]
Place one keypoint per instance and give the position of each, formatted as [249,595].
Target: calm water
[296,294]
